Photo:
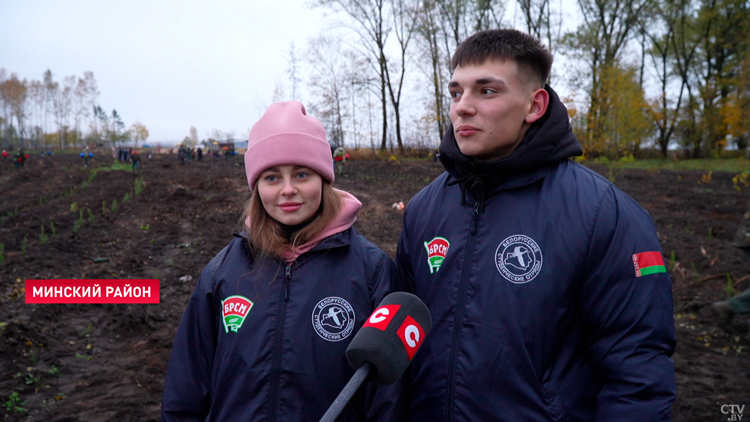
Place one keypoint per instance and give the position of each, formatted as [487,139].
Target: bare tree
[193,135]
[62,105]
[665,108]
[327,83]
[80,106]
[373,28]
[292,68]
[430,33]
[539,20]
[404,13]
[92,93]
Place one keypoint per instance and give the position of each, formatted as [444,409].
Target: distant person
[547,284]
[21,158]
[200,154]
[181,155]
[85,156]
[265,332]
[340,156]
[727,309]
[136,159]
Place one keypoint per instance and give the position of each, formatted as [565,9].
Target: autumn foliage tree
[138,132]
[626,119]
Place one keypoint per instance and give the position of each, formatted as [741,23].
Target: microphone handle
[346,394]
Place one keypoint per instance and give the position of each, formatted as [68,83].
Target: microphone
[385,345]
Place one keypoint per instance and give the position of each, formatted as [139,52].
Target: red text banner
[92,291]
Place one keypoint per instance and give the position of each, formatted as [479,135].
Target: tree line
[45,113]
[654,74]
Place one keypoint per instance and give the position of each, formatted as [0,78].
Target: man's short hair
[506,44]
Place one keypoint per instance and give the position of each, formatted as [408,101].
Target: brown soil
[111,360]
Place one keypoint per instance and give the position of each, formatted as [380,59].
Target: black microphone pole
[346,394]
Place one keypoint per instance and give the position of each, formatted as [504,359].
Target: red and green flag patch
[648,263]
[437,248]
[234,309]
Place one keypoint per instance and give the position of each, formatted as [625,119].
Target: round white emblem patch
[519,259]
[333,319]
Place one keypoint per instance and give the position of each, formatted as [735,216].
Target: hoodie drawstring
[475,184]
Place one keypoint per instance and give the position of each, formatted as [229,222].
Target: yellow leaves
[138,131]
[741,179]
[619,117]
[706,177]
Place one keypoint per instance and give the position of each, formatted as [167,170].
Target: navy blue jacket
[285,361]
[545,301]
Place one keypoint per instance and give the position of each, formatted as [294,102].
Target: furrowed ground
[59,220]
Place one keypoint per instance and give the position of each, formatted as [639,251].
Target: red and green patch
[648,263]
[234,309]
[437,248]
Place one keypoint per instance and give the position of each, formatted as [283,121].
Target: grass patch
[732,165]
[43,237]
[114,166]
[139,185]
[14,403]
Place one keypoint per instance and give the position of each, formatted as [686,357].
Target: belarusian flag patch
[234,309]
[648,263]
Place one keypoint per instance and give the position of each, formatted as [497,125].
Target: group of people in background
[122,155]
[190,154]
[187,154]
[19,158]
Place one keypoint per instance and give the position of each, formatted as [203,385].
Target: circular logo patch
[519,259]
[333,319]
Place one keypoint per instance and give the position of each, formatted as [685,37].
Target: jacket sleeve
[628,316]
[188,384]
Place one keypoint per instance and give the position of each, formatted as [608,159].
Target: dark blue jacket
[528,266]
[285,361]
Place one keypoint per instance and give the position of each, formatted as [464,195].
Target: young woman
[264,334]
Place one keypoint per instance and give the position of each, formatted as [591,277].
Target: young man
[547,286]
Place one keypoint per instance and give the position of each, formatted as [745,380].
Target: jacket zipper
[460,307]
[277,345]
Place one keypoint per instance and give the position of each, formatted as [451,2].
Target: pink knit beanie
[286,135]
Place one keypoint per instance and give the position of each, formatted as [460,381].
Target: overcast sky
[168,64]
[172,64]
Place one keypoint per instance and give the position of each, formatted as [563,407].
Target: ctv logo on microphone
[412,335]
[382,317]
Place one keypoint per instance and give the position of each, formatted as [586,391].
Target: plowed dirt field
[108,362]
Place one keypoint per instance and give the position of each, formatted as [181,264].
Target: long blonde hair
[267,236]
